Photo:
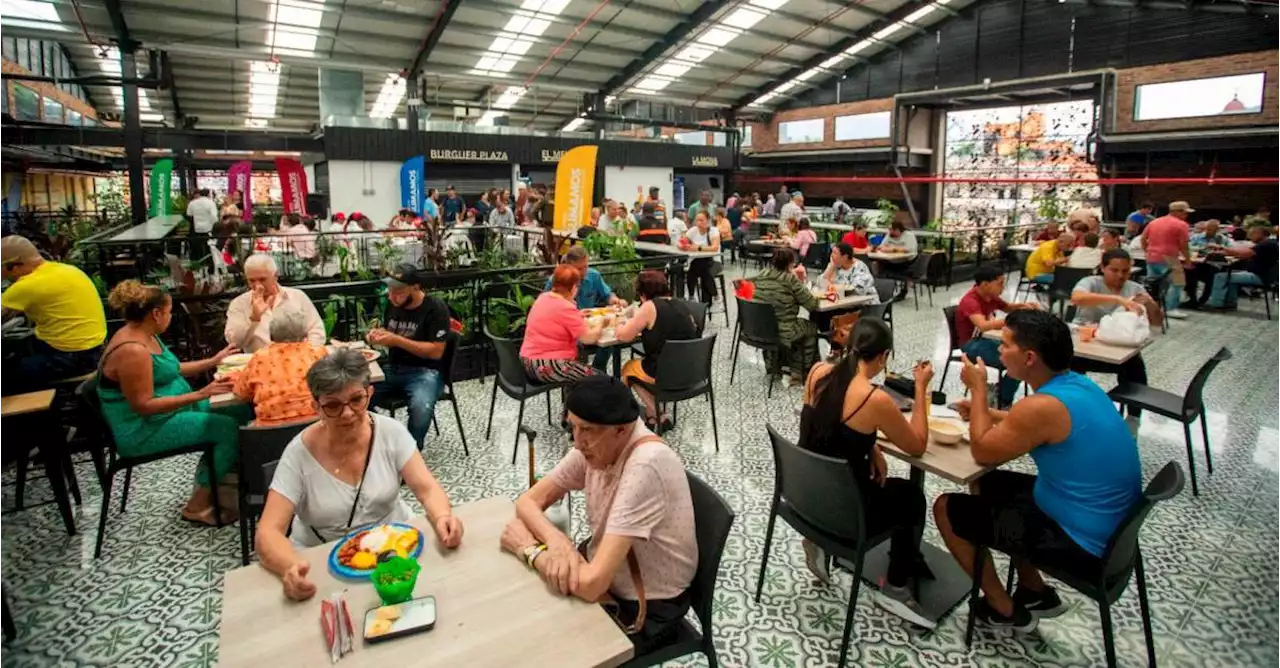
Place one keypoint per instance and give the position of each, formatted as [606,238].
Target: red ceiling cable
[1121,181]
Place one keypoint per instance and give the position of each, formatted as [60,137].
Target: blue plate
[338,569]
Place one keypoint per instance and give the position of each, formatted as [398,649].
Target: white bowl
[945,432]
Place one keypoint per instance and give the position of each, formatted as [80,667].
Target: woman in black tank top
[843,411]
[659,319]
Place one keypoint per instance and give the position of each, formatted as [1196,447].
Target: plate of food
[370,354]
[357,554]
[238,359]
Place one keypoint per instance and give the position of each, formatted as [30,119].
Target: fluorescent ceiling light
[769,4]
[744,18]
[886,33]
[695,53]
[920,13]
[214,151]
[574,124]
[295,154]
[36,11]
[255,122]
[719,36]
[673,69]
[151,118]
[653,83]
[832,62]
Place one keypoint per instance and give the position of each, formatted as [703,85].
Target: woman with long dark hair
[843,413]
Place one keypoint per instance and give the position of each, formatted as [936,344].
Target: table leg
[54,470]
[937,595]
[617,361]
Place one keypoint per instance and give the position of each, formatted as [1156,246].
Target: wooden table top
[841,303]
[671,249]
[889,257]
[1093,350]
[21,404]
[950,462]
[229,399]
[153,230]
[492,611]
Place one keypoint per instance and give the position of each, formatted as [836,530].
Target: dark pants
[899,507]
[46,366]
[699,274]
[662,616]
[739,238]
[1202,273]
[198,244]
[989,351]
[1133,371]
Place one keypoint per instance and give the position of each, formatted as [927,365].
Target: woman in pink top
[638,502]
[804,236]
[554,330]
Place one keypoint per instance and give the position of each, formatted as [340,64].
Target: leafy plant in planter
[518,305]
[390,254]
[887,211]
[1049,207]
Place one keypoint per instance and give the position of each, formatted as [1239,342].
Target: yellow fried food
[377,627]
[407,541]
[363,561]
[390,613]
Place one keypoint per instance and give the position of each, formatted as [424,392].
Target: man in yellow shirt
[1048,256]
[64,305]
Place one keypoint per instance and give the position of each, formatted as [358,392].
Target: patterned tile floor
[154,599]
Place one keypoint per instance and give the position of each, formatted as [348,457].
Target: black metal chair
[757,328]
[87,393]
[1185,408]
[1121,559]
[259,447]
[712,519]
[684,372]
[1064,281]
[819,498]
[887,289]
[515,383]
[394,402]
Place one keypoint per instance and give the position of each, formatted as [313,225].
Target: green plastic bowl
[394,579]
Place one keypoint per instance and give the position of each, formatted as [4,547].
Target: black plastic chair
[1158,287]
[697,310]
[259,447]
[918,274]
[818,256]
[515,383]
[1185,408]
[394,402]
[1121,559]
[949,312]
[887,289]
[819,498]
[87,393]
[1064,281]
[712,519]
[684,372]
[757,328]
[717,273]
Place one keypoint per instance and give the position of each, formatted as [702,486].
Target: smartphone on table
[402,619]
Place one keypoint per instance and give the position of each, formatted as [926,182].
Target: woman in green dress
[149,404]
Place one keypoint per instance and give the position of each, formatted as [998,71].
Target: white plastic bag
[1124,328]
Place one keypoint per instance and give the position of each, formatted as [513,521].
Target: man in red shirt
[974,316]
[857,238]
[1165,240]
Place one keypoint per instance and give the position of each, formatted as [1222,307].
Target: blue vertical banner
[413,175]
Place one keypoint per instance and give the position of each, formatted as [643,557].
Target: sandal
[206,516]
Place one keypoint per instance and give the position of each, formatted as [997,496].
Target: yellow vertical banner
[575,183]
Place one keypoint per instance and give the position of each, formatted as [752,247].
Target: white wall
[620,183]
[372,188]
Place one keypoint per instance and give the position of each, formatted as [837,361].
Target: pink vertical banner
[240,181]
[293,185]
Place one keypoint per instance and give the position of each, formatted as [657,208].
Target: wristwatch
[531,553]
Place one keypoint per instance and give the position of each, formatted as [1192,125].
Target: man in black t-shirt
[1258,267]
[417,325]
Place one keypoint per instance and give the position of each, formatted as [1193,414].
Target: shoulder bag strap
[373,433]
[633,564]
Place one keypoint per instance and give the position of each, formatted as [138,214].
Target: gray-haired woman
[275,380]
[344,472]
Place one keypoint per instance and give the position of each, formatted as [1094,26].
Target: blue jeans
[1173,296]
[1224,286]
[989,351]
[421,387]
[1044,279]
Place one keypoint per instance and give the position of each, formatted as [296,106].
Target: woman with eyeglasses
[344,472]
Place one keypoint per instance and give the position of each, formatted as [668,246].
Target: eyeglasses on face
[333,407]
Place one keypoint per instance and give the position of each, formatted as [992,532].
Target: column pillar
[133,133]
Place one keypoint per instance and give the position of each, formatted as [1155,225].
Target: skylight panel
[486,119]
[653,83]
[768,4]
[545,6]
[886,33]
[785,87]
[920,13]
[255,123]
[810,74]
[744,18]
[29,9]
[832,62]
[297,16]
[673,70]
[860,46]
[574,124]
[719,36]
[509,97]
[695,53]
[389,97]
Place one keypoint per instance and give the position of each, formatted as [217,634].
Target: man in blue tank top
[1089,479]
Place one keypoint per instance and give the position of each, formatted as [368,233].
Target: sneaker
[1021,621]
[1043,604]
[818,562]
[899,601]
[1177,314]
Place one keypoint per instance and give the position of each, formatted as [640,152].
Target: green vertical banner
[160,186]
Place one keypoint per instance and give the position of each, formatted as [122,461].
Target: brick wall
[45,90]
[764,136]
[1241,63]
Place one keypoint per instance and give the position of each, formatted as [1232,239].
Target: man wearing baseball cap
[415,337]
[1165,240]
[66,310]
